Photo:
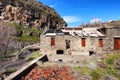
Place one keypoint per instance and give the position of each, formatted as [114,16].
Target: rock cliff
[30,12]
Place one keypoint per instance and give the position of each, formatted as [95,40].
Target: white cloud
[71,19]
[53,5]
[110,20]
[95,20]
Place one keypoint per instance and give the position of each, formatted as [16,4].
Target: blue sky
[77,12]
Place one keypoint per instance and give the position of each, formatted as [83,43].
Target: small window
[83,42]
[100,43]
[60,52]
[52,41]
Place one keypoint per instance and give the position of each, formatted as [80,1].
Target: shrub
[98,74]
[10,70]
[34,56]
[95,75]
[110,61]
[112,71]
[28,38]
[114,56]
[30,58]
[83,70]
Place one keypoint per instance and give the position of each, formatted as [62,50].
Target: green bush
[110,61]
[16,25]
[83,70]
[114,56]
[10,70]
[33,29]
[95,75]
[30,58]
[27,38]
[34,56]
[77,67]
[112,71]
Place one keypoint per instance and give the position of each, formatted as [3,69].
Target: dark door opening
[91,53]
[44,58]
[67,44]
[60,52]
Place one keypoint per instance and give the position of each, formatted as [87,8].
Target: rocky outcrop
[30,12]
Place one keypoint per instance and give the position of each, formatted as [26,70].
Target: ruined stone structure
[80,41]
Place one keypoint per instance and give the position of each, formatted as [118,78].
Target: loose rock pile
[50,73]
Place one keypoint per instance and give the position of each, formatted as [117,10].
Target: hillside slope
[22,22]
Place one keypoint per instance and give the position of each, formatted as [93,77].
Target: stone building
[80,41]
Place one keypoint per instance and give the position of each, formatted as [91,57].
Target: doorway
[116,43]
[67,44]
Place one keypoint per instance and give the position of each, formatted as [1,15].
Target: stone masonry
[75,43]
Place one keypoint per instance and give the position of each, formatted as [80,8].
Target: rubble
[50,73]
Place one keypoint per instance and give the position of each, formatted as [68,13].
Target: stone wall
[45,45]
[66,58]
[76,43]
[91,44]
[60,44]
[109,40]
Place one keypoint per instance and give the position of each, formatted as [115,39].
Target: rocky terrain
[104,66]
[95,67]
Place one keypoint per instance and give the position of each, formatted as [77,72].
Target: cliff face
[30,12]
